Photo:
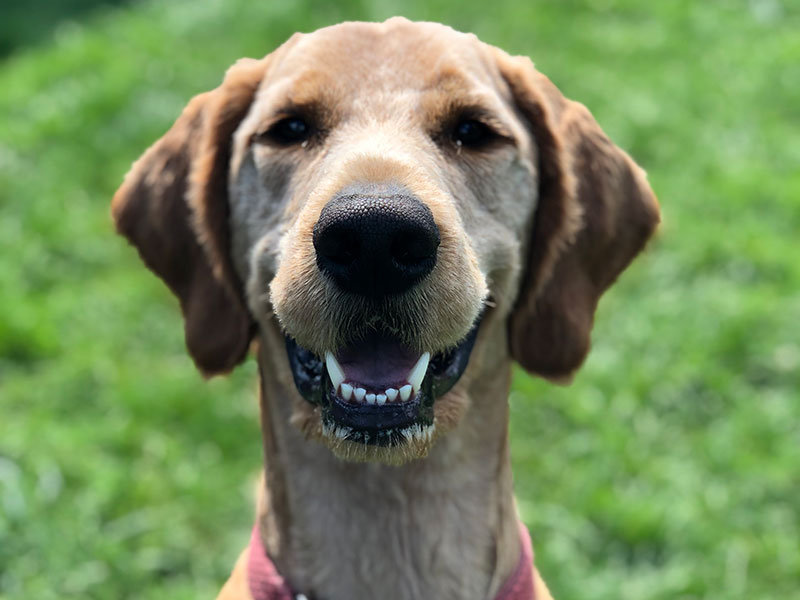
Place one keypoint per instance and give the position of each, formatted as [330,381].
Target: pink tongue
[377,362]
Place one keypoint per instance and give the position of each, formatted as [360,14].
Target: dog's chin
[376,399]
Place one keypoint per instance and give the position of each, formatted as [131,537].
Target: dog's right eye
[288,131]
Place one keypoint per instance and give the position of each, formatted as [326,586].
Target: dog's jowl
[388,215]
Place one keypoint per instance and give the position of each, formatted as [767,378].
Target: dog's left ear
[595,212]
[173,207]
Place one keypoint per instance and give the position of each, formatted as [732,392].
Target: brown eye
[472,133]
[288,131]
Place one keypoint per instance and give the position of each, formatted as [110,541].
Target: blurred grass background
[669,469]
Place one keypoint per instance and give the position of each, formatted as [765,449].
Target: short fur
[534,228]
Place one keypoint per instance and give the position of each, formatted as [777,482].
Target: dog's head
[378,191]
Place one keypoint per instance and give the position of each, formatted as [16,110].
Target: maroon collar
[267,584]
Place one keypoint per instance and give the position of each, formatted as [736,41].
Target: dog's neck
[440,527]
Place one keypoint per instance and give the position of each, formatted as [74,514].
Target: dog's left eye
[472,133]
[291,130]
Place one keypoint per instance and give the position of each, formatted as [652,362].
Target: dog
[387,215]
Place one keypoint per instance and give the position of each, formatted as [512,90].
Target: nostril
[414,249]
[339,247]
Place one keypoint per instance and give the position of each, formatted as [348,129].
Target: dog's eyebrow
[450,96]
[448,79]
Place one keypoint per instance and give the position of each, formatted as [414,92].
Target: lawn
[670,468]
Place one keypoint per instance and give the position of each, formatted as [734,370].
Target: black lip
[378,425]
[372,424]
[395,415]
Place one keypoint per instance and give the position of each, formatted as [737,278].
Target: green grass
[34,21]
[669,469]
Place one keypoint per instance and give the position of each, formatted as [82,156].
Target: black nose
[376,246]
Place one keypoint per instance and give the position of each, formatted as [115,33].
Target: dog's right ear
[173,207]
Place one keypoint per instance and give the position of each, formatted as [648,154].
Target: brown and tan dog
[394,213]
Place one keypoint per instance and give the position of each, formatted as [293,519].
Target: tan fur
[533,229]
[237,588]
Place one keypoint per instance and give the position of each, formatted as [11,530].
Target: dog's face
[376,190]
[375,157]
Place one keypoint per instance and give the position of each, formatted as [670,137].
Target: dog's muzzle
[375,247]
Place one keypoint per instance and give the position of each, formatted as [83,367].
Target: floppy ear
[173,207]
[595,212]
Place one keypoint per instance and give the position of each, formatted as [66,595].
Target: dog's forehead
[354,59]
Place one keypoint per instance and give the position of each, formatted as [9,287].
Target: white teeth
[417,373]
[348,391]
[335,371]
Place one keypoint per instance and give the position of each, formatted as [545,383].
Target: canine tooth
[335,371]
[417,373]
[370,398]
[391,394]
[347,391]
[380,399]
[405,392]
[360,393]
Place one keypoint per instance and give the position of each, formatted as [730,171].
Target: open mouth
[378,391]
